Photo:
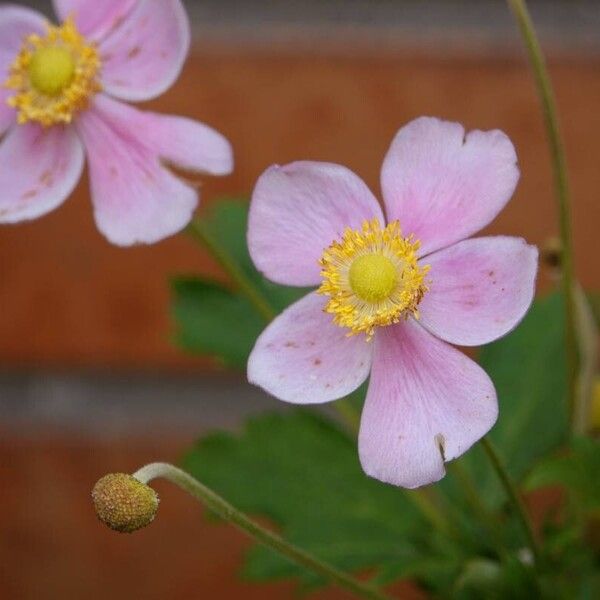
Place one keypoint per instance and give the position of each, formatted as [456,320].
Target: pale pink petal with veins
[38,170]
[303,358]
[427,403]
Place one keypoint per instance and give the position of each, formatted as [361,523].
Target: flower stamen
[372,277]
[53,76]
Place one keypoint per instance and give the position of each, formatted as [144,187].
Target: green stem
[200,232]
[559,165]
[227,512]
[513,496]
[348,414]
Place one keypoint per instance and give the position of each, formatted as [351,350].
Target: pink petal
[303,358]
[480,289]
[297,211]
[16,22]
[443,186]
[7,113]
[136,199]
[94,18]
[143,57]
[178,141]
[427,403]
[38,170]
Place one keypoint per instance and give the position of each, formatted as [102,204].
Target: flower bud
[124,503]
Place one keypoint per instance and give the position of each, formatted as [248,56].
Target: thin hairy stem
[559,167]
[228,513]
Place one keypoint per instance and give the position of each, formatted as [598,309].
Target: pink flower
[59,101]
[412,287]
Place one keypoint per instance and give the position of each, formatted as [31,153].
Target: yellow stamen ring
[53,76]
[372,277]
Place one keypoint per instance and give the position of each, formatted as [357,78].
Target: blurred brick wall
[68,298]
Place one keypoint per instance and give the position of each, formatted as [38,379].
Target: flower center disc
[372,277]
[51,70]
[53,76]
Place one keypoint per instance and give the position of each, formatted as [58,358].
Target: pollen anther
[53,76]
[372,277]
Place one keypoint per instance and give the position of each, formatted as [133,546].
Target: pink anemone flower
[60,100]
[393,297]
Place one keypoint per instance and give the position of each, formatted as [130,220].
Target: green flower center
[51,70]
[373,277]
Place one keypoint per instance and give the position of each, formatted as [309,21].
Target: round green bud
[124,503]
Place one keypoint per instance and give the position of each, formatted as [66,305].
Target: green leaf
[528,369]
[213,320]
[302,473]
[578,471]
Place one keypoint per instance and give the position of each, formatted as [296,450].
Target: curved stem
[559,166]
[198,230]
[227,512]
[513,496]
